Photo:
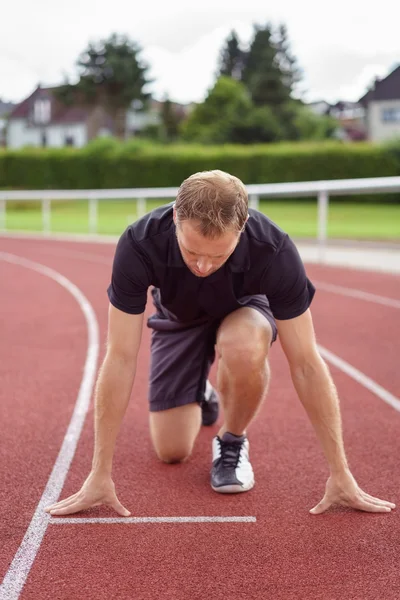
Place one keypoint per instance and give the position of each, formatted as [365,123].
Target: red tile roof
[60,113]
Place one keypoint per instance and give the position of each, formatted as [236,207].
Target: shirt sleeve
[130,277]
[286,284]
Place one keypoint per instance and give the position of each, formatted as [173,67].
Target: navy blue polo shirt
[265,261]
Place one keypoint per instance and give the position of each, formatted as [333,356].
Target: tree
[291,73]
[226,105]
[311,126]
[262,73]
[110,75]
[170,120]
[231,58]
[259,126]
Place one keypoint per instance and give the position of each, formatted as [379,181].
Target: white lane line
[360,295]
[60,237]
[362,379]
[21,564]
[97,258]
[129,520]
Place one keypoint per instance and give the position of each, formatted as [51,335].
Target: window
[69,140]
[41,110]
[391,115]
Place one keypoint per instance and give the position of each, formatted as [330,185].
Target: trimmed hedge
[135,165]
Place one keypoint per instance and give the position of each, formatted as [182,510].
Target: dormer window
[42,110]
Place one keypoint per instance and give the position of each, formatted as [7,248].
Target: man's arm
[317,392]
[114,384]
[113,390]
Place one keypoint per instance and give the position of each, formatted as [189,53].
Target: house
[382,106]
[5,109]
[349,115]
[43,120]
[319,107]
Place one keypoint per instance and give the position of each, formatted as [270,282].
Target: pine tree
[110,75]
[231,58]
[291,73]
[262,74]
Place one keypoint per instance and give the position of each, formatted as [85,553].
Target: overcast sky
[340,46]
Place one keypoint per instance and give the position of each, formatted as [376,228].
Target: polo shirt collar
[238,262]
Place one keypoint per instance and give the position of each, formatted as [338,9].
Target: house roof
[384,89]
[60,113]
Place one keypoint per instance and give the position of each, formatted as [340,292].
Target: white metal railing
[321,189]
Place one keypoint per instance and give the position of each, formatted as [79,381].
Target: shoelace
[230,453]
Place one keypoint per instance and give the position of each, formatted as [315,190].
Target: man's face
[201,255]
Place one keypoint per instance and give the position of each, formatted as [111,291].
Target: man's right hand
[96,490]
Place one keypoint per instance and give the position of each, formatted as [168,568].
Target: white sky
[340,45]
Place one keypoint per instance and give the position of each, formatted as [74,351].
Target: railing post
[3,215]
[141,207]
[93,214]
[323,200]
[254,201]
[46,215]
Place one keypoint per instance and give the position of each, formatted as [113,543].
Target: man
[225,281]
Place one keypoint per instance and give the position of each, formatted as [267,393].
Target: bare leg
[243,342]
[174,432]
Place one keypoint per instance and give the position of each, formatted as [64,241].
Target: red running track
[286,553]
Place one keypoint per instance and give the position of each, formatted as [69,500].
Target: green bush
[106,164]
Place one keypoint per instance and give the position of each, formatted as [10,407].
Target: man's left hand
[343,489]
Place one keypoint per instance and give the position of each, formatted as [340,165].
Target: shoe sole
[233,489]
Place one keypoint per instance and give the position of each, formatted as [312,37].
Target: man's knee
[173,457]
[244,338]
[174,431]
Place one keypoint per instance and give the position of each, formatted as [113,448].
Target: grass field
[298,218]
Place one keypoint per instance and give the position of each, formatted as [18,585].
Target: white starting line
[135,520]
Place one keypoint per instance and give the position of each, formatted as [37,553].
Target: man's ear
[174,213]
[244,224]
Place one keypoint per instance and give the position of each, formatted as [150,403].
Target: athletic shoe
[209,406]
[231,470]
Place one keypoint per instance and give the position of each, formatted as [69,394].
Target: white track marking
[21,564]
[60,237]
[360,295]
[358,376]
[98,258]
[129,520]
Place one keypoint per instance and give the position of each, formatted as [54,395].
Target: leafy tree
[111,75]
[213,121]
[231,58]
[310,126]
[259,126]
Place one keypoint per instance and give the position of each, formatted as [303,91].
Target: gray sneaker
[231,470]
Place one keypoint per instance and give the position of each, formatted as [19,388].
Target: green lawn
[298,218]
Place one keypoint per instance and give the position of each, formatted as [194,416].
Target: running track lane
[287,553]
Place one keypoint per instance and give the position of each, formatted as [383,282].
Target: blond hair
[215,201]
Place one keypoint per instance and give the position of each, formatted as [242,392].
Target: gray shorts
[182,354]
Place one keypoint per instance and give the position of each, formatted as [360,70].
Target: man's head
[210,213]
